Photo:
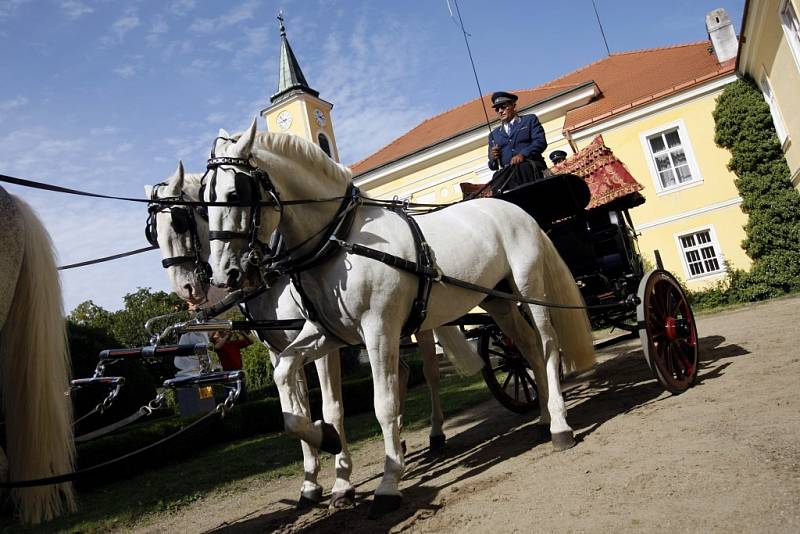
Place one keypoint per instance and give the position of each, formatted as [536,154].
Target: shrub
[744,126]
[257,366]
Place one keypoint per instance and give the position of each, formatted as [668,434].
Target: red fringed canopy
[607,177]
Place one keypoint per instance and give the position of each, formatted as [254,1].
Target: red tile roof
[626,80]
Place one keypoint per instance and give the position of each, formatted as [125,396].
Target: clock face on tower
[284,120]
[320,117]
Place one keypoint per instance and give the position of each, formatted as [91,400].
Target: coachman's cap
[557,156]
[501,97]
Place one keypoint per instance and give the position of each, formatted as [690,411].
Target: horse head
[271,181]
[181,233]
[238,232]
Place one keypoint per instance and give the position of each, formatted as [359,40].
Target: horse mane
[302,150]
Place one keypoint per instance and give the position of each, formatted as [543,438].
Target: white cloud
[157,31]
[216,118]
[14,103]
[9,7]
[74,9]
[366,74]
[181,7]
[126,71]
[104,130]
[120,28]
[239,15]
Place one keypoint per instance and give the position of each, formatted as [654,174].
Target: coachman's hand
[517,159]
[495,152]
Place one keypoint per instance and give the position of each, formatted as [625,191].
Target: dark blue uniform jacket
[526,137]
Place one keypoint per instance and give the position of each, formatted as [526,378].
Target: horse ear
[221,137]
[148,191]
[245,143]
[175,182]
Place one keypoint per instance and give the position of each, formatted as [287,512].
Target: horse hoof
[403,446]
[342,500]
[309,498]
[437,444]
[542,433]
[563,441]
[330,439]
[383,504]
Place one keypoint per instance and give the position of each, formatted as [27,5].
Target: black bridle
[182,220]
[252,189]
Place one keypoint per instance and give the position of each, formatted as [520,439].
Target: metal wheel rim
[668,332]
[510,373]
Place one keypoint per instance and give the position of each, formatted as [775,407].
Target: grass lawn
[236,465]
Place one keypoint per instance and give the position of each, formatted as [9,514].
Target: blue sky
[108,95]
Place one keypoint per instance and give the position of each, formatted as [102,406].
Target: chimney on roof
[723,37]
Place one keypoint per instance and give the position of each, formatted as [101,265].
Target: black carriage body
[598,245]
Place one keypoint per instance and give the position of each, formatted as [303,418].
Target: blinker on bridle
[258,181]
[183,220]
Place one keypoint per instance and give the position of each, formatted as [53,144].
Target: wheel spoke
[525,386]
[497,353]
[506,381]
[516,387]
[498,368]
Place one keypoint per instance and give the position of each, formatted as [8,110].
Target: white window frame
[712,233]
[774,108]
[791,28]
[686,144]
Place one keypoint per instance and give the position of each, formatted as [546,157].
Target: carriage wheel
[668,331]
[507,373]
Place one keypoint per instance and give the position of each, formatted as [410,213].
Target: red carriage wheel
[507,373]
[668,331]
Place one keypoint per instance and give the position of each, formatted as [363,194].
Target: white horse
[34,365]
[359,299]
[185,249]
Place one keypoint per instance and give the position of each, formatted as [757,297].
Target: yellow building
[770,54]
[653,109]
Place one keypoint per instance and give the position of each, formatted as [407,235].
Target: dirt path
[722,457]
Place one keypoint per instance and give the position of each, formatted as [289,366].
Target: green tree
[744,126]
[127,324]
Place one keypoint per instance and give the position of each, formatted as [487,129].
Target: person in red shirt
[229,349]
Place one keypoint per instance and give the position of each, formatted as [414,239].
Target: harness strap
[339,227]
[419,308]
[413,267]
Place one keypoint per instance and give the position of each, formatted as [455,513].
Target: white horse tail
[571,325]
[34,364]
[458,350]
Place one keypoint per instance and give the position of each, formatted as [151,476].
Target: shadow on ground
[617,385]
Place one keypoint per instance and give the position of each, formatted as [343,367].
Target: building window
[791,27]
[700,253]
[774,110]
[670,157]
[324,144]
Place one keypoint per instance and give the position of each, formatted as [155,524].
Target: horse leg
[329,369]
[430,368]
[527,339]
[384,356]
[318,434]
[561,432]
[404,372]
[310,490]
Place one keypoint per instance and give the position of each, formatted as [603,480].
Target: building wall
[711,204]
[766,49]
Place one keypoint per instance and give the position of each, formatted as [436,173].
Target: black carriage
[599,246]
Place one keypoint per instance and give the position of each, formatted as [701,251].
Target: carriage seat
[554,198]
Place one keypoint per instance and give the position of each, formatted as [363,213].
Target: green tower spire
[291,77]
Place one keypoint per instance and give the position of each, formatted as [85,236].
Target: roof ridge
[659,48]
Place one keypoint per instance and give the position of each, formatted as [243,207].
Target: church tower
[296,108]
